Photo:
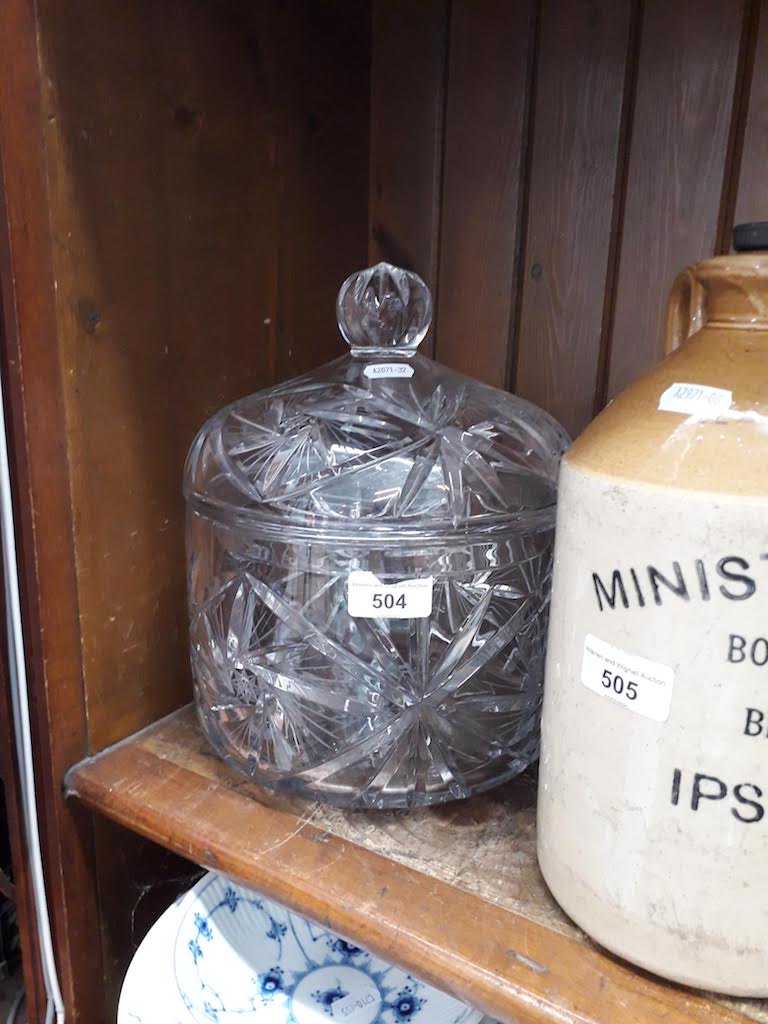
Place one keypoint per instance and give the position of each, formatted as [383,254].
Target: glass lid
[381,439]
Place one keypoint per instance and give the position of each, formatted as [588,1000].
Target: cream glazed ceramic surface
[653,833]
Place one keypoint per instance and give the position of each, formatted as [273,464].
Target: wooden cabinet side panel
[208,170]
[39,465]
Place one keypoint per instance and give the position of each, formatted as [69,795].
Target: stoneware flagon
[653,832]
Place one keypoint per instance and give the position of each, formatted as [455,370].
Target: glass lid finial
[384,308]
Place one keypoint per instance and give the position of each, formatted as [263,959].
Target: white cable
[14,1010]
[20,702]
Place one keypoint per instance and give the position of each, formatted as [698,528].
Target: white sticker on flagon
[638,684]
[698,400]
[383,371]
[369,598]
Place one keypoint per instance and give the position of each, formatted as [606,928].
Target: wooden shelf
[452,894]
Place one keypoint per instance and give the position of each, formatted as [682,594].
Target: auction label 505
[638,684]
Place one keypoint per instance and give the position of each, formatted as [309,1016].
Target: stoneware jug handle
[685,309]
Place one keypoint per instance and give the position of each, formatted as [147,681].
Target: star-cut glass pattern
[375,712]
[426,474]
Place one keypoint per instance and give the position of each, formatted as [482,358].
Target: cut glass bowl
[369,560]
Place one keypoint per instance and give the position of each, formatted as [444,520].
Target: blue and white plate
[149,994]
[239,957]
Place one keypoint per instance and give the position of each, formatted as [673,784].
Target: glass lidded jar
[369,561]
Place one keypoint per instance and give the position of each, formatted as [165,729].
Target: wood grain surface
[549,167]
[752,193]
[316,59]
[408,60]
[37,438]
[483,172]
[689,52]
[583,53]
[452,894]
[202,222]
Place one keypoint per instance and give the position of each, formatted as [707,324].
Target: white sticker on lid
[379,370]
[698,400]
[369,598]
[640,685]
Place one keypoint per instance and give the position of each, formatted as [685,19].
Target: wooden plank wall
[579,153]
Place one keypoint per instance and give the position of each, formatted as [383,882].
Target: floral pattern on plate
[239,956]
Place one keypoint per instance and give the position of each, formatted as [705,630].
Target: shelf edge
[511,968]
